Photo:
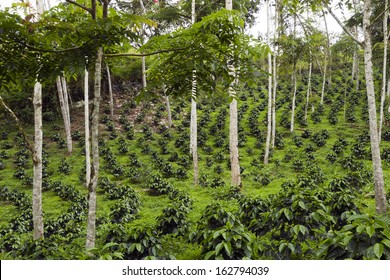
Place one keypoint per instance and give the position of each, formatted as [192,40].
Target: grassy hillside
[299,206]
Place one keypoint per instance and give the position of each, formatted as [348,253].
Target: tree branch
[143,54]
[346,30]
[80,6]
[29,146]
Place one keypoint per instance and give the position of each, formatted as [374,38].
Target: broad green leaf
[228,248]
[378,250]
[303,205]
[386,242]
[303,229]
[370,231]
[291,247]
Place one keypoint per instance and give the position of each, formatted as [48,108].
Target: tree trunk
[384,71]
[167,104]
[309,87]
[37,162]
[233,126]
[194,124]
[325,59]
[91,226]
[294,78]
[275,77]
[65,113]
[110,92]
[269,113]
[37,153]
[144,82]
[87,133]
[380,198]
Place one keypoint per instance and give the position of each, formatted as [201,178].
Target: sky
[258,29]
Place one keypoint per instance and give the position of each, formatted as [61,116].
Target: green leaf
[228,248]
[282,246]
[378,250]
[288,213]
[386,242]
[360,228]
[209,255]
[303,229]
[218,248]
[291,247]
[302,204]
[370,231]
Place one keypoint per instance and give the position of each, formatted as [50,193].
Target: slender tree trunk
[309,87]
[37,162]
[380,197]
[294,78]
[275,77]
[37,154]
[168,106]
[87,132]
[194,118]
[91,225]
[110,92]
[65,113]
[144,81]
[325,59]
[384,71]
[233,126]
[269,113]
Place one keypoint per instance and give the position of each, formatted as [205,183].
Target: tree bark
[37,153]
[384,71]
[194,124]
[294,78]
[380,197]
[37,162]
[325,59]
[65,113]
[309,87]
[275,77]
[91,225]
[269,113]
[87,132]
[233,125]
[110,92]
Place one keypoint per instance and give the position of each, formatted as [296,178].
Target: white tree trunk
[194,117]
[110,92]
[309,87]
[384,77]
[380,197]
[325,60]
[37,162]
[91,225]
[87,133]
[275,77]
[65,113]
[37,154]
[294,78]
[144,82]
[269,113]
[233,126]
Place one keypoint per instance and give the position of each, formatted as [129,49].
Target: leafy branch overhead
[63,39]
[206,47]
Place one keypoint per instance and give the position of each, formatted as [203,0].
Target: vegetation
[316,196]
